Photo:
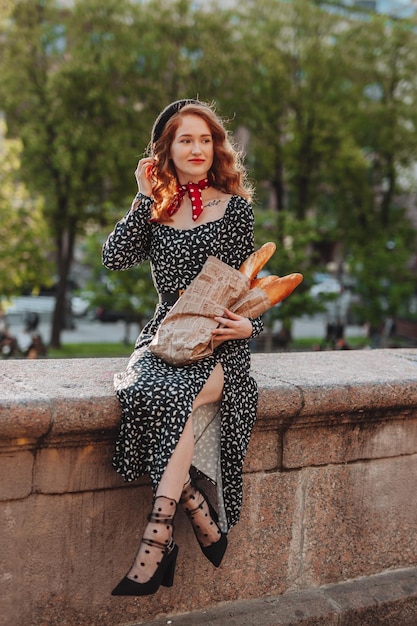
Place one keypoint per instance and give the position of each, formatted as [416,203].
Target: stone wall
[329,489]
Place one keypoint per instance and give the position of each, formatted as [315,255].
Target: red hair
[227,173]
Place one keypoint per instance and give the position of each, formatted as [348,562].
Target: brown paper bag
[184,335]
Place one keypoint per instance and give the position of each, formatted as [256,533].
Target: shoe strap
[191,512]
[157,516]
[160,518]
[158,544]
[192,494]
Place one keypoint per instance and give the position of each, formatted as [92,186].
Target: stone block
[24,422]
[81,468]
[16,469]
[77,416]
[64,553]
[264,451]
[342,441]
[353,520]
[303,609]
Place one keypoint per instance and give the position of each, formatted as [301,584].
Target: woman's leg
[202,515]
[177,471]
[213,388]
[179,464]
[171,486]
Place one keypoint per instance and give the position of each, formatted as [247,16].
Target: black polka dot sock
[157,538]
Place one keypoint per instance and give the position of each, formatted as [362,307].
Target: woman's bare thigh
[213,388]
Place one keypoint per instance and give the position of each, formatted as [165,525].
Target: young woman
[193,202]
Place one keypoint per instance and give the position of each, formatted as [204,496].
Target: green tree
[25,241]
[385,281]
[297,99]
[379,239]
[295,115]
[382,72]
[296,80]
[294,254]
[130,292]
[95,75]
[75,114]
[341,130]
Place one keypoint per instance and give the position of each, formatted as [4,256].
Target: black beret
[167,113]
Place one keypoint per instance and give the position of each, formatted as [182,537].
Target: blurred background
[320,96]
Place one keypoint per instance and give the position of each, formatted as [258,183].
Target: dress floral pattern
[157,398]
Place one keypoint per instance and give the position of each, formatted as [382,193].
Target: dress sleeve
[129,243]
[241,228]
[242,245]
[257,326]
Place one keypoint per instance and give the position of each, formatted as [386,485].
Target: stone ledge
[361,405]
[55,399]
[387,599]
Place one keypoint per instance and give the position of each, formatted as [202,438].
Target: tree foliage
[129,292]
[320,96]
[25,242]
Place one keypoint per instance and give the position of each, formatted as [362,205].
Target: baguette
[262,282]
[278,288]
[255,262]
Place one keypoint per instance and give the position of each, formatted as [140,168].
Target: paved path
[88,331]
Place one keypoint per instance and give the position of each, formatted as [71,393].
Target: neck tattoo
[210,203]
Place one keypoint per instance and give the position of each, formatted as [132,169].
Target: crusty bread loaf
[262,282]
[255,262]
[278,288]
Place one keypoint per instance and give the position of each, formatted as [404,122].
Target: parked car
[128,311]
[107,315]
[329,286]
[80,306]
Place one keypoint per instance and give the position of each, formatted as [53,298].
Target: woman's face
[192,149]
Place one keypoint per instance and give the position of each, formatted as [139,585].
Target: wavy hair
[226,174]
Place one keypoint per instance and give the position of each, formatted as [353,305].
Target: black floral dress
[157,398]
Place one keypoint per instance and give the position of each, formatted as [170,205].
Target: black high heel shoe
[215,551]
[164,573]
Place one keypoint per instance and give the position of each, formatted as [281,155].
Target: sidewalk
[388,599]
[85,331]
[93,331]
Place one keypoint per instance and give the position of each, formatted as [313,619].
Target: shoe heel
[168,578]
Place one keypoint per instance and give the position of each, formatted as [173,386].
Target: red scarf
[194,192]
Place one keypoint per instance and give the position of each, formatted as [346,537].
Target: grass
[110,350]
[308,344]
[91,350]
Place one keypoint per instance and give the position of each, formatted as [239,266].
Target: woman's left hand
[232,327]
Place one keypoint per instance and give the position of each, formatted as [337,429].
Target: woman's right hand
[143,175]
